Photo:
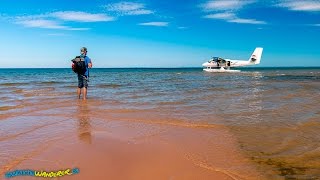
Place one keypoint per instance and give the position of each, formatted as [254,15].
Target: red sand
[104,146]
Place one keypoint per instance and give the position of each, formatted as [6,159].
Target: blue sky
[154,33]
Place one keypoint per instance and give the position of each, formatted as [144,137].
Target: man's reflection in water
[84,127]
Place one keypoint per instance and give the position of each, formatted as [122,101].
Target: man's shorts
[82,81]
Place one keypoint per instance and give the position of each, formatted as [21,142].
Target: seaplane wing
[215,64]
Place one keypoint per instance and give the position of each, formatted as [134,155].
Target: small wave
[172,103]
[12,136]
[311,123]
[291,77]
[17,160]
[136,97]
[108,85]
[4,98]
[178,123]
[189,125]
[13,84]
[71,86]
[217,89]
[50,82]
[19,91]
[6,108]
[40,90]
[33,91]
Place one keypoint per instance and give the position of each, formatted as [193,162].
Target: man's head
[83,51]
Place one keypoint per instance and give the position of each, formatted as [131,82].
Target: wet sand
[150,123]
[117,143]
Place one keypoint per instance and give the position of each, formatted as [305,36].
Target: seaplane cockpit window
[215,58]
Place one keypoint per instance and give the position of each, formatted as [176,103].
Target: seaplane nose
[205,64]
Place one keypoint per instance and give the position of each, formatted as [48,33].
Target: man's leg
[85,86]
[84,93]
[79,92]
[80,85]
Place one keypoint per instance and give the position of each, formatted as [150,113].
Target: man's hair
[83,49]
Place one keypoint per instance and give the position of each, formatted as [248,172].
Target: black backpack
[79,65]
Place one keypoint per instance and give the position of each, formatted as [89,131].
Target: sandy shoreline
[122,144]
[187,120]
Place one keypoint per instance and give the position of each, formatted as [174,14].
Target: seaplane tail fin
[256,56]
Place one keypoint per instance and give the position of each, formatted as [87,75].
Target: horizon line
[156,67]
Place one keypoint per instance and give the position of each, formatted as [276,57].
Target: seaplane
[217,64]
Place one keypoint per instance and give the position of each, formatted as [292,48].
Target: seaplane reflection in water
[217,64]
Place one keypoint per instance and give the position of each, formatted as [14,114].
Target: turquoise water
[191,88]
[274,112]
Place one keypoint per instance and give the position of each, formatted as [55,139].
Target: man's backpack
[79,65]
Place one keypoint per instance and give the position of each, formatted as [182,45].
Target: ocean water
[273,112]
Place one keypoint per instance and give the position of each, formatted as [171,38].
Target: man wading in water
[81,65]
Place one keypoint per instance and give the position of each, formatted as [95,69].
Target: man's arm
[90,64]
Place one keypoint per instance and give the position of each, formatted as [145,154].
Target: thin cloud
[154,24]
[128,8]
[79,16]
[223,16]
[47,24]
[31,17]
[222,5]
[226,10]
[232,18]
[246,21]
[295,5]
[140,12]
[41,23]
[55,20]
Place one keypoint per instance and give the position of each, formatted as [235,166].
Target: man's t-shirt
[87,60]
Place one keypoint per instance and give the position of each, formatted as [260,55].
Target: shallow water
[273,112]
